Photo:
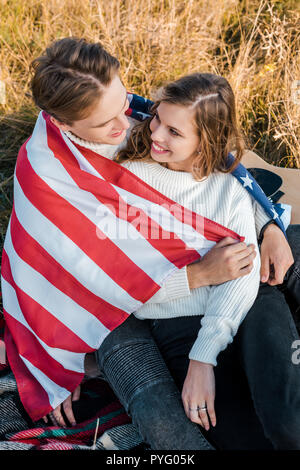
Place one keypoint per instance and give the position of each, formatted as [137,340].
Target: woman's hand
[226,261]
[56,416]
[199,392]
[276,256]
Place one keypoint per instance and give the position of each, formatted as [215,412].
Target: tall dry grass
[254,44]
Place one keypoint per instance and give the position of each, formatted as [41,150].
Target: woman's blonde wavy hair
[212,104]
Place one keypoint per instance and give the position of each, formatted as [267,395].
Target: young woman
[181,152]
[78,85]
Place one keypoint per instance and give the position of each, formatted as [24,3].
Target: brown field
[254,44]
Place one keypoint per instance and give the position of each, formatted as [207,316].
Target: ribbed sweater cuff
[206,348]
[261,219]
[177,286]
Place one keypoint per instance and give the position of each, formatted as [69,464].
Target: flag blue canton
[274,211]
[140,109]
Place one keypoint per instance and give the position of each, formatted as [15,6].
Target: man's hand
[226,261]
[276,256]
[199,392]
[56,416]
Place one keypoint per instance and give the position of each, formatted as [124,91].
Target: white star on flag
[247,181]
[275,216]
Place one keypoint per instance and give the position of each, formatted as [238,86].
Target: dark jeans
[257,385]
[291,284]
[137,373]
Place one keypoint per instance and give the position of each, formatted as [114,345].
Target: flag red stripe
[122,177]
[40,260]
[71,222]
[29,347]
[28,387]
[147,227]
[47,327]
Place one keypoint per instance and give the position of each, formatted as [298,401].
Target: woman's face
[174,136]
[107,123]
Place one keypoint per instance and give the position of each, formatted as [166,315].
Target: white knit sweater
[222,198]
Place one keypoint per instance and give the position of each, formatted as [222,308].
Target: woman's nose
[157,133]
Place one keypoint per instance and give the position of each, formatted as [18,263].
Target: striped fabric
[68,279]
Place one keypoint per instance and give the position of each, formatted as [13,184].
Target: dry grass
[254,44]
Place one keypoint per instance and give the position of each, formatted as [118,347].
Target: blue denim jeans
[257,385]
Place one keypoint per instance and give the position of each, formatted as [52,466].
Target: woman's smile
[155,147]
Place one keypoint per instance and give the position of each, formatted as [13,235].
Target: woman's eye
[173,132]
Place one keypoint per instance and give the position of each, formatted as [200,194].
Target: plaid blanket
[97,410]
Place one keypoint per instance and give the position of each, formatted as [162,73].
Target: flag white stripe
[168,222]
[69,360]
[84,164]
[69,255]
[55,393]
[77,319]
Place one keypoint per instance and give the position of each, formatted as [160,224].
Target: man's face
[107,123]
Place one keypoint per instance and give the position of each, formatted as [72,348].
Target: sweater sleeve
[261,217]
[175,287]
[228,303]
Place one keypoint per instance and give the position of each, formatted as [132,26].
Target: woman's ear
[60,125]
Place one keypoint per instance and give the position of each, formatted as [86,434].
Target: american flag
[67,281]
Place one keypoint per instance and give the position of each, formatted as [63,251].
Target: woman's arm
[228,303]
[227,260]
[227,306]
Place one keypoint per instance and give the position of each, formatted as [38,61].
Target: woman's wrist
[195,363]
[196,276]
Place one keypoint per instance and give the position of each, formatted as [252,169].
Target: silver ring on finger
[202,408]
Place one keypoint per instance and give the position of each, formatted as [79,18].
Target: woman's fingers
[247,261]
[200,415]
[211,411]
[194,416]
[203,416]
[243,255]
[192,413]
[226,241]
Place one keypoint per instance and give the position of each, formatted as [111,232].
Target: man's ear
[60,125]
